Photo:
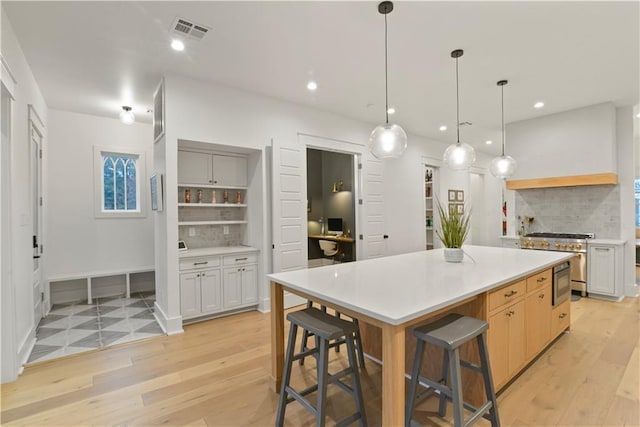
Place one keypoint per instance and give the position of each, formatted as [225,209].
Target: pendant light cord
[457,104]
[502,93]
[386,76]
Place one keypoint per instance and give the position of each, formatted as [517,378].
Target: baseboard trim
[631,290]
[170,325]
[26,348]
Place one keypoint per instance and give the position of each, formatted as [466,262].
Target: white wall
[27,93]
[575,142]
[79,242]
[203,112]
[626,170]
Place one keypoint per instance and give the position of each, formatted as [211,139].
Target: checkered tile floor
[73,328]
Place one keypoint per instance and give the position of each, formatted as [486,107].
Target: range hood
[564,181]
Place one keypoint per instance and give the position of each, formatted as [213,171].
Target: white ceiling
[94,57]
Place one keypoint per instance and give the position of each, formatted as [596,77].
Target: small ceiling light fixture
[312,86]
[488,142]
[387,140]
[391,110]
[538,104]
[126,115]
[504,166]
[337,186]
[638,115]
[443,128]
[459,156]
[177,44]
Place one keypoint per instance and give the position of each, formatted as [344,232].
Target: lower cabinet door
[517,345]
[250,284]
[498,337]
[538,326]
[211,291]
[190,294]
[232,287]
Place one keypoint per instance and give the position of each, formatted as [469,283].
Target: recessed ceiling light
[538,104]
[391,110]
[638,115]
[312,86]
[443,128]
[488,142]
[177,45]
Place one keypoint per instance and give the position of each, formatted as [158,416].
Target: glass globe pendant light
[459,156]
[387,140]
[126,115]
[503,166]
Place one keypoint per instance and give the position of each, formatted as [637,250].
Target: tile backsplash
[208,236]
[589,209]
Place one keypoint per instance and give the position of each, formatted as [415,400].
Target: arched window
[120,183]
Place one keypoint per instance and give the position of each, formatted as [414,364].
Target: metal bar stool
[325,328]
[450,333]
[358,339]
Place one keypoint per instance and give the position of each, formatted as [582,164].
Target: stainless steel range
[564,242]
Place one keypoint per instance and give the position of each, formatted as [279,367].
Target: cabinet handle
[510,313]
[242,259]
[201,263]
[602,249]
[542,279]
[510,294]
[563,315]
[541,296]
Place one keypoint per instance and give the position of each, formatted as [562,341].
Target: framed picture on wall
[156,192]
[452,195]
[460,196]
[158,112]
[460,208]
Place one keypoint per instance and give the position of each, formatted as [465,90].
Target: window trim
[141,176]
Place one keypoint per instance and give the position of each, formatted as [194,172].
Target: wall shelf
[213,205]
[222,187]
[184,223]
[564,181]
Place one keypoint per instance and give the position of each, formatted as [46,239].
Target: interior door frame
[10,365]
[323,143]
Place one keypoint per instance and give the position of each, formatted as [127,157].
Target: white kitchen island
[394,293]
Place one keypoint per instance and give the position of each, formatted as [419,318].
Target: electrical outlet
[192,231]
[225,229]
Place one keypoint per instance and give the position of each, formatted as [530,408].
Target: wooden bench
[95,274]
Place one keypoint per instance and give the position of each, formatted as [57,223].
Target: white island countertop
[219,250]
[399,288]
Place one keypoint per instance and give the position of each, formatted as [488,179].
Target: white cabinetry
[605,270]
[430,212]
[240,280]
[196,168]
[212,284]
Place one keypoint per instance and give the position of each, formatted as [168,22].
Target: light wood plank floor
[217,373]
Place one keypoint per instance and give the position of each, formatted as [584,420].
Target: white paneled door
[289,214]
[36,199]
[373,207]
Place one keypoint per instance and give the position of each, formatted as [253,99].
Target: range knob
[546,244]
[557,245]
[564,246]
[571,246]
[579,246]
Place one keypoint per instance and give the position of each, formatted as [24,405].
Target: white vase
[453,254]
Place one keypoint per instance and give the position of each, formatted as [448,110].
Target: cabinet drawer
[507,294]
[560,318]
[198,263]
[538,280]
[248,258]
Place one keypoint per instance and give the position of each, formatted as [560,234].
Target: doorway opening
[331,213]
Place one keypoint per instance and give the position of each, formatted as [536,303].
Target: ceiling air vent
[189,29]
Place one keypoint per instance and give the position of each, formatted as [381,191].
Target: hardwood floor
[218,373]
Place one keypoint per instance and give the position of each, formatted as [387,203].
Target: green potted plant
[453,230]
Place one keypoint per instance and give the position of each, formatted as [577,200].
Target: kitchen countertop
[606,241]
[220,250]
[398,288]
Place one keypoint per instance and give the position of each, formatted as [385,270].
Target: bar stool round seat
[329,331]
[449,333]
